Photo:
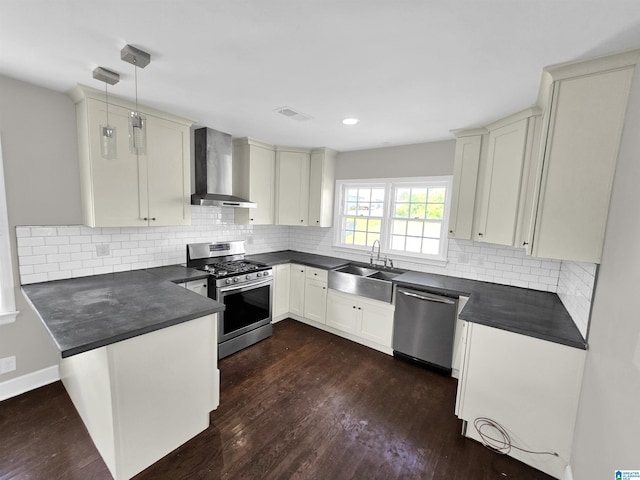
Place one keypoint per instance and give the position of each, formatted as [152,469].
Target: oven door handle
[243,286]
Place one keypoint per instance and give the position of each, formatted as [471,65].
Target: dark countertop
[85,313]
[291,256]
[528,312]
[177,273]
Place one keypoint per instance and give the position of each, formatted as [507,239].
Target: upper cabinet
[322,179]
[292,186]
[585,105]
[499,192]
[541,179]
[150,189]
[465,179]
[254,169]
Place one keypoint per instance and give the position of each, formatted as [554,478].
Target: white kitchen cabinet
[499,193]
[315,294]
[465,178]
[585,105]
[197,286]
[529,386]
[281,291]
[365,318]
[322,177]
[254,169]
[296,290]
[132,189]
[292,187]
[458,347]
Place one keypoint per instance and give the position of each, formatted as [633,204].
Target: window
[7,299]
[408,216]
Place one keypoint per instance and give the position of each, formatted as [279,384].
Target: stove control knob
[259,274]
[236,280]
[248,277]
[266,274]
[227,281]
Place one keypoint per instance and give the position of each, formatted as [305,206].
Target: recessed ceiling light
[351,121]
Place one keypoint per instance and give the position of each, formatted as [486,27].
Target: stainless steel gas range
[244,287]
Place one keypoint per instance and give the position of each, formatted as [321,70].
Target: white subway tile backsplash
[575,289]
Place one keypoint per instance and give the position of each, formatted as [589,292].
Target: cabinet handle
[480,234]
[525,243]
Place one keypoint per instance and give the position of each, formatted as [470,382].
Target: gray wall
[40,154]
[606,436]
[419,160]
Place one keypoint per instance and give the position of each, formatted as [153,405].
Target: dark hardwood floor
[303,404]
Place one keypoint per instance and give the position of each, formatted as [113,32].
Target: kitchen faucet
[372,249]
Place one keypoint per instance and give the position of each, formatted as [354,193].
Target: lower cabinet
[281,291]
[296,290]
[368,319]
[529,386]
[315,294]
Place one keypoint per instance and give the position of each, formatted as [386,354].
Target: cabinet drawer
[317,274]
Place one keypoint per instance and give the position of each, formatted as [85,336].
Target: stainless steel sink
[364,281]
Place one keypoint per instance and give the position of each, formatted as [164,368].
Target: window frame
[390,186]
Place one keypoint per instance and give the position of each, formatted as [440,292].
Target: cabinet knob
[324,288]
[359,308]
[450,231]
[301,221]
[525,243]
[353,306]
[153,218]
[251,219]
[145,219]
[317,221]
[480,234]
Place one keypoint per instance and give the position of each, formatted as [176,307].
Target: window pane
[397,242]
[414,229]
[417,210]
[361,224]
[349,223]
[375,225]
[403,194]
[352,208]
[347,237]
[360,238]
[436,195]
[419,195]
[430,246]
[352,195]
[399,227]
[377,195]
[435,211]
[432,229]
[413,244]
[364,195]
[402,210]
[372,237]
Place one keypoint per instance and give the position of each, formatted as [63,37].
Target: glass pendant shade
[108,142]
[137,133]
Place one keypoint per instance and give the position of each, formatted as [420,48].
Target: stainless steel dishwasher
[423,327]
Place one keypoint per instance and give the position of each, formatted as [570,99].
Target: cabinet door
[111,189]
[296,294]
[281,285]
[497,219]
[587,118]
[376,323]
[315,300]
[293,188]
[465,178]
[197,286]
[342,312]
[321,187]
[168,163]
[254,169]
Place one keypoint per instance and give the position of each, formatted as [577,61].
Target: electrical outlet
[7,364]
[102,250]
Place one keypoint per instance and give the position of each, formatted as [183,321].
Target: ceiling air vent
[291,113]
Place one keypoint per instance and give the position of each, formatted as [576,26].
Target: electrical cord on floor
[503,445]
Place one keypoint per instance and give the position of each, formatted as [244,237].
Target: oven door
[246,308]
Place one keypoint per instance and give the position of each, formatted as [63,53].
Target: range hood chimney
[214,167]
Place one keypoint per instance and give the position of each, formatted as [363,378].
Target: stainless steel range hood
[214,170]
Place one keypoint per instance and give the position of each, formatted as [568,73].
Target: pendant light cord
[135,74]
[106,94]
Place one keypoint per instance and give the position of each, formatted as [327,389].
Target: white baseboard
[30,381]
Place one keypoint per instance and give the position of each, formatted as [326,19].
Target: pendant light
[137,122]
[107,132]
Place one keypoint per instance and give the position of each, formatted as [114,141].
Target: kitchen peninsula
[138,359]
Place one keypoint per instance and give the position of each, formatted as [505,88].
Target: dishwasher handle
[426,296]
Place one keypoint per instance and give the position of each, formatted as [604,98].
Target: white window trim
[387,183]
[8,311]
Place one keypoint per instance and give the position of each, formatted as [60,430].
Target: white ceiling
[411,70]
